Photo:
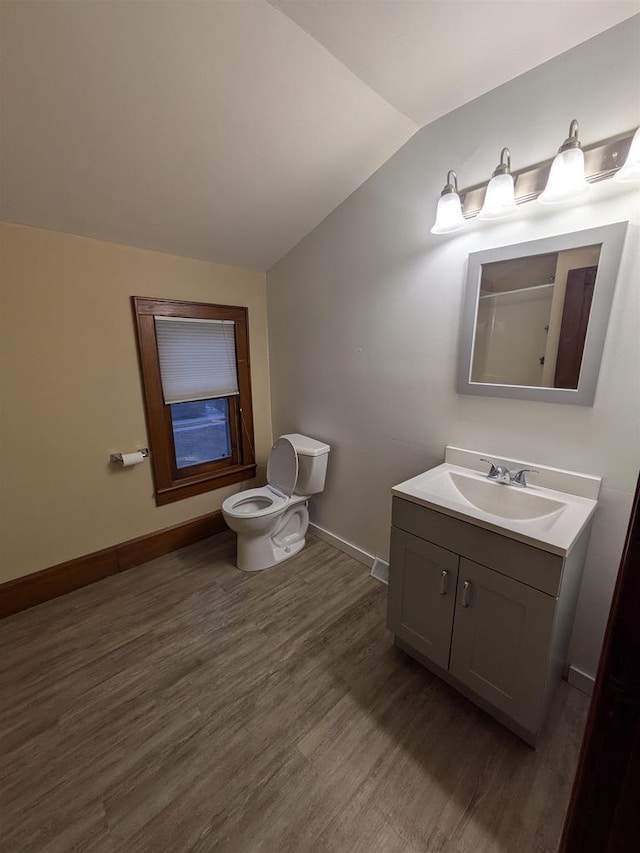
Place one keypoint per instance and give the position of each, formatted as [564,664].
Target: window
[201,431]
[197,392]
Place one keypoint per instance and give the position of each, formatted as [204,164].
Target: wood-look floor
[186,706]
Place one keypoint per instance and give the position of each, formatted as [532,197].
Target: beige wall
[71,394]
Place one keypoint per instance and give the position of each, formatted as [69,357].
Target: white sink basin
[544,517]
[506,501]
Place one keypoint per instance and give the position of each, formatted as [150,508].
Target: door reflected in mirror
[532,318]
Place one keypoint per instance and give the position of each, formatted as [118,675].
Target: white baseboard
[342,545]
[581,680]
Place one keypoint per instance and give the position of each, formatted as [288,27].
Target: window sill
[204,483]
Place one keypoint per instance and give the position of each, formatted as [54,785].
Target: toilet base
[263,552]
[253,556]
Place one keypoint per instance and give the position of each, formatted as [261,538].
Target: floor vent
[380,570]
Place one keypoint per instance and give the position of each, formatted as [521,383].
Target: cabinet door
[422,592]
[501,637]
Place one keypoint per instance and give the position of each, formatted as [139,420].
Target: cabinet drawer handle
[465,593]
[444,577]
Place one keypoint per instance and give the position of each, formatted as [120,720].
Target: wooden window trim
[173,484]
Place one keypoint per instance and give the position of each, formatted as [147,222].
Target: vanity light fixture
[449,216]
[631,169]
[566,179]
[500,200]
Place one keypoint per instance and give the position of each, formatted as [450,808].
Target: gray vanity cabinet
[500,644]
[422,595]
[490,615]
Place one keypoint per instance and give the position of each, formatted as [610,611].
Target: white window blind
[197,358]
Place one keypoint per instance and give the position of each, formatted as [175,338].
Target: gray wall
[364,315]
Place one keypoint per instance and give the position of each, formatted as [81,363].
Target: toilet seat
[282,474]
[255,503]
[282,467]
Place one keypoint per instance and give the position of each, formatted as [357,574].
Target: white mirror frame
[612,239]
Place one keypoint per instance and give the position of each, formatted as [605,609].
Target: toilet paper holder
[118,460]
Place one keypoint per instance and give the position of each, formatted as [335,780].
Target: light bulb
[566,178]
[499,199]
[631,169]
[449,216]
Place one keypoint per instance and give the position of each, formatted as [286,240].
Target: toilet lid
[282,467]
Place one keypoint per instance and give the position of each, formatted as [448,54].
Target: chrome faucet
[501,474]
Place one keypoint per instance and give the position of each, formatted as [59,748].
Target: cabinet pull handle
[443,582]
[465,593]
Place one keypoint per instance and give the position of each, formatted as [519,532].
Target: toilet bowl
[271,522]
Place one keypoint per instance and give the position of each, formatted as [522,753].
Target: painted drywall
[71,390]
[364,316]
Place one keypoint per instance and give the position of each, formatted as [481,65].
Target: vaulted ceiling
[228,129]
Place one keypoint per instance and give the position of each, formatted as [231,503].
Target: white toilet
[271,522]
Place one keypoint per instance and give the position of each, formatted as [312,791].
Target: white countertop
[558,516]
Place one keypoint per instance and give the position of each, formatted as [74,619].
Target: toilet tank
[312,463]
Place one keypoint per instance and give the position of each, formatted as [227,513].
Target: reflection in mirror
[532,318]
[535,315]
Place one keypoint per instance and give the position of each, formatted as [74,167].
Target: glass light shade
[566,179]
[631,169]
[449,214]
[499,200]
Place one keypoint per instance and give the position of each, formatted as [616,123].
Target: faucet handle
[518,479]
[493,471]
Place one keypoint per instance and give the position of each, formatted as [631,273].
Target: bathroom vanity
[484,580]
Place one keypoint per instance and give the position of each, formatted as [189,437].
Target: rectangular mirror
[535,317]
